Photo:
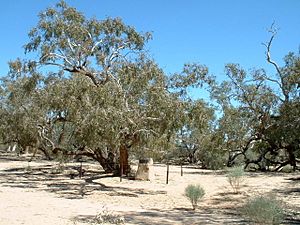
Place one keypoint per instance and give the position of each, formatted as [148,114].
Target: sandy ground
[34,194]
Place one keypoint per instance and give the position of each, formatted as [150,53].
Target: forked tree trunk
[109,162]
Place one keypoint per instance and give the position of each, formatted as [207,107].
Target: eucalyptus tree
[283,132]
[259,113]
[245,101]
[87,88]
[195,130]
[18,113]
[193,137]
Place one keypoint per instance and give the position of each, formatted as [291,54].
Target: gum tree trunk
[124,165]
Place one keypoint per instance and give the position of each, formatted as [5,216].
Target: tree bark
[124,165]
[108,164]
[292,157]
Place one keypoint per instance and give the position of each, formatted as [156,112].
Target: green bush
[264,210]
[235,177]
[194,193]
[212,159]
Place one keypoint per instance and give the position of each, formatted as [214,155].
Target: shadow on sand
[43,177]
[47,178]
[174,216]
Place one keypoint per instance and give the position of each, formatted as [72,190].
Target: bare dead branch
[268,45]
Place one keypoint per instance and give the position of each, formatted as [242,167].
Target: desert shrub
[194,193]
[58,168]
[28,169]
[235,177]
[108,217]
[264,210]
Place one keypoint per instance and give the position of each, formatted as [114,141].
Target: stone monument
[145,169]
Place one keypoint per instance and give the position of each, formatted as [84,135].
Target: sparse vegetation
[108,217]
[194,193]
[235,177]
[28,169]
[141,201]
[264,210]
[58,168]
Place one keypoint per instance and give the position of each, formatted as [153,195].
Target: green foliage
[194,193]
[89,88]
[213,159]
[193,75]
[264,210]
[193,139]
[259,114]
[235,177]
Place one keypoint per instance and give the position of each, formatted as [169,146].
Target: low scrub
[108,217]
[194,193]
[264,210]
[235,177]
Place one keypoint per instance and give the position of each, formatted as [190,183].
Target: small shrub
[28,169]
[58,169]
[194,193]
[263,210]
[235,177]
[108,217]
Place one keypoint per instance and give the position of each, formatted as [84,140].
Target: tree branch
[268,45]
[42,135]
[56,55]
[95,46]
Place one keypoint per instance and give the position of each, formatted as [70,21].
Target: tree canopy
[88,87]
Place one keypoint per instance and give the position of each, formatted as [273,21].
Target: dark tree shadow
[218,212]
[65,184]
[202,216]
[296,179]
[292,191]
